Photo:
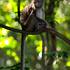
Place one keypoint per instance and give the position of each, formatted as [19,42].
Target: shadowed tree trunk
[51,37]
[40,14]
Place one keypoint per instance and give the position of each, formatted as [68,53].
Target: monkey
[32,23]
[25,15]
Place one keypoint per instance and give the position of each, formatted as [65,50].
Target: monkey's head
[37,3]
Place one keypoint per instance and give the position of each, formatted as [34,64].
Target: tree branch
[12,29]
[61,36]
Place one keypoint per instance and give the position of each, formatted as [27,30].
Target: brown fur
[26,12]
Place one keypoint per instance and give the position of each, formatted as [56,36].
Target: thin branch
[61,36]
[23,51]
[17,30]
[12,29]
[43,51]
[18,8]
[11,67]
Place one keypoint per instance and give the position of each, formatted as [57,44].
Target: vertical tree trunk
[51,37]
[23,51]
[40,14]
[23,36]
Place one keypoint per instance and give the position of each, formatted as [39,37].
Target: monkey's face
[37,3]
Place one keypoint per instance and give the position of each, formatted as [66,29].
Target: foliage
[10,41]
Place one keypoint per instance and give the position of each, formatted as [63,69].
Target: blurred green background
[10,42]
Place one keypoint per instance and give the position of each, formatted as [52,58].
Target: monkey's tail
[61,36]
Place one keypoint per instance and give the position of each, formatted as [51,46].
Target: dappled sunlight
[9,62]
[7,7]
[3,32]
[13,54]
[36,55]
[39,46]
[22,5]
[68,64]
[59,17]
[8,42]
[16,58]
[40,56]
[8,52]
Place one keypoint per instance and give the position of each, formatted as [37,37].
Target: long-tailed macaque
[29,13]
[32,23]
